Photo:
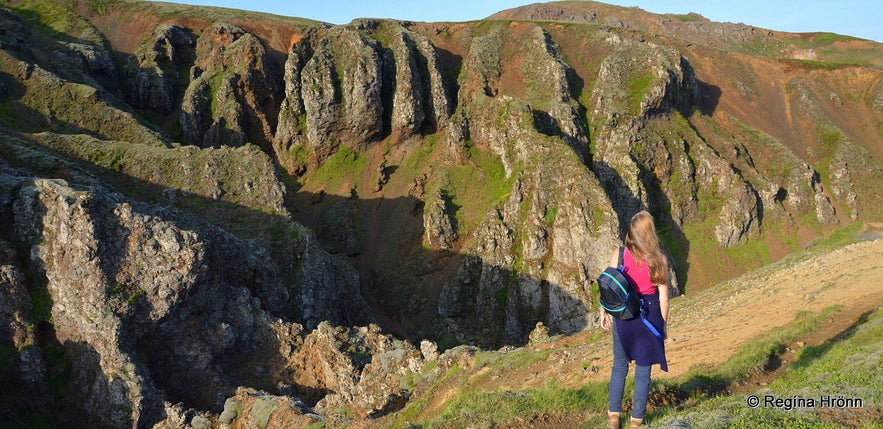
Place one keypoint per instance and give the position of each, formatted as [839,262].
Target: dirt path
[707,330]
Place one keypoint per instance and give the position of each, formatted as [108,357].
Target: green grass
[216,14]
[851,361]
[473,408]
[840,237]
[476,186]
[757,353]
[688,17]
[342,165]
[52,18]
[502,362]
[637,89]
[412,412]
[847,365]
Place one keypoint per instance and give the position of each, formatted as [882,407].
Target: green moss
[215,84]
[638,88]
[261,411]
[342,165]
[550,215]
[475,186]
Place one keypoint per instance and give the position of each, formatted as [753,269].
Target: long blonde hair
[643,244]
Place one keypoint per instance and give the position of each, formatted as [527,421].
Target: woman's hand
[605,320]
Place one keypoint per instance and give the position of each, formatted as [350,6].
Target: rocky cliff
[227,219]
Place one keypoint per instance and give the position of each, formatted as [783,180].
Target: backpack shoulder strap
[621,251]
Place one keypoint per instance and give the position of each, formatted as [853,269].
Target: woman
[646,267]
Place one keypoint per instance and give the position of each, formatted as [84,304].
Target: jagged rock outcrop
[87,63]
[232,96]
[805,193]
[251,408]
[532,259]
[355,98]
[158,303]
[155,69]
[628,155]
[338,233]
[241,178]
[547,77]
[17,336]
[359,367]
[420,98]
[438,222]
[847,159]
[323,108]
[141,285]
[644,166]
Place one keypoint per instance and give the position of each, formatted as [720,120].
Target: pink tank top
[638,274]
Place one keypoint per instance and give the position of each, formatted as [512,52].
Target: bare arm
[663,301]
[605,318]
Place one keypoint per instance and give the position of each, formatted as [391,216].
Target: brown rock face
[345,88]
[158,67]
[233,93]
[142,297]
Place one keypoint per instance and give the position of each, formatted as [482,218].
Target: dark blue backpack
[620,298]
[618,295]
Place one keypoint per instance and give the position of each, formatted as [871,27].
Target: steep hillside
[205,197]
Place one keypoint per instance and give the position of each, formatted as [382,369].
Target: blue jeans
[617,381]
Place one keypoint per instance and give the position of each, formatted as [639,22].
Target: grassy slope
[487,393]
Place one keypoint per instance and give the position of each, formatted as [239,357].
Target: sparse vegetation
[344,165]
[60,124]
[476,186]
[473,407]
[637,89]
[844,366]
